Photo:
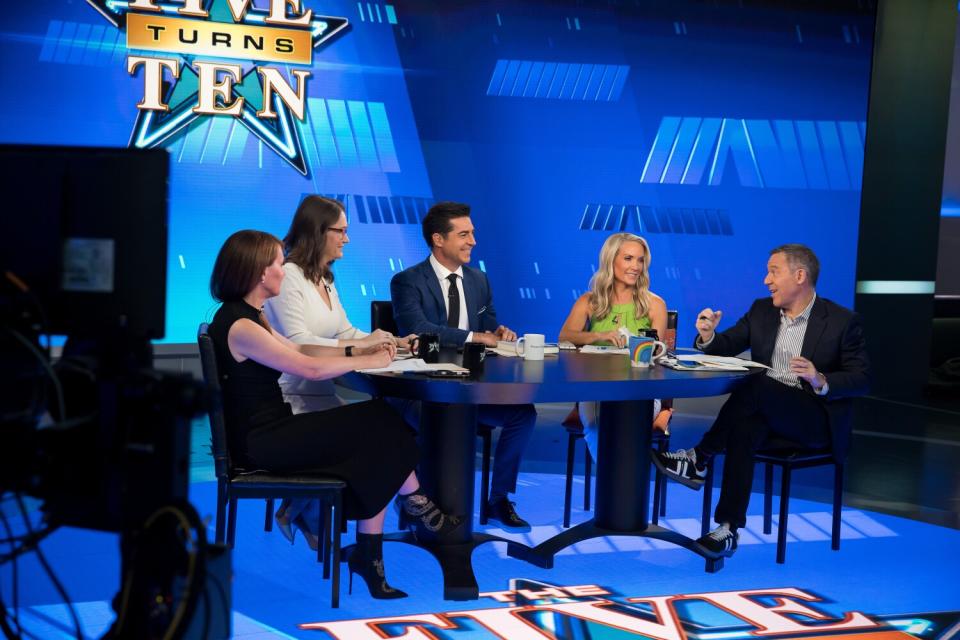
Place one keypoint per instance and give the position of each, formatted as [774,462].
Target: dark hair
[439,216]
[800,256]
[307,236]
[240,264]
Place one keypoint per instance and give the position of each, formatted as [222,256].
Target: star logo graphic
[154,128]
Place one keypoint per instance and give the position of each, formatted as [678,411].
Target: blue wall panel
[711,130]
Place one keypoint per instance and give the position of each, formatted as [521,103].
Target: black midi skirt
[366,444]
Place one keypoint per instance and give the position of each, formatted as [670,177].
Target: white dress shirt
[442,274]
[300,313]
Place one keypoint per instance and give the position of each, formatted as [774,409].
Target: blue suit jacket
[833,342]
[419,306]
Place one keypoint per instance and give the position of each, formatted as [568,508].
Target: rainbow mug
[643,350]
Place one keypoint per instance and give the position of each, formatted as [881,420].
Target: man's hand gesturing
[707,321]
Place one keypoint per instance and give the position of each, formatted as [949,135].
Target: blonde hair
[602,282]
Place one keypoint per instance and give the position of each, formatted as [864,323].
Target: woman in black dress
[366,444]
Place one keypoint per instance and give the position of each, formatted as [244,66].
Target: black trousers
[755,411]
[517,422]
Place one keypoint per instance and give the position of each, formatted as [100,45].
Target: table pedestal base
[459,582]
[542,554]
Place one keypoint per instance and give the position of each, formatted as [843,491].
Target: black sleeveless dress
[367,444]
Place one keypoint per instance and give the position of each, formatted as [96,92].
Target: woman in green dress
[619,297]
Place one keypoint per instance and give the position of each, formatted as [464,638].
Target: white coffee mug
[530,346]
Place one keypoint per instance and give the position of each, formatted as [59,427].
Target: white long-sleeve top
[300,314]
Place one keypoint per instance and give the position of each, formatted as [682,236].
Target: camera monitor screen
[85,229]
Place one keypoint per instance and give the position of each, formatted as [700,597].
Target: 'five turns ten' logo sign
[201,58]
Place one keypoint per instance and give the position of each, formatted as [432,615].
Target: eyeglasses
[341,230]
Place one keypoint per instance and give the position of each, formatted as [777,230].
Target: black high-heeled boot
[423,516]
[367,560]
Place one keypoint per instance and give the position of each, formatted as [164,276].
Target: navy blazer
[419,306]
[833,342]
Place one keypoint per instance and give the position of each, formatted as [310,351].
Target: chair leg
[485,476]
[663,447]
[323,549]
[231,522]
[658,485]
[707,498]
[268,516]
[221,511]
[338,525]
[323,538]
[587,477]
[837,506]
[571,444]
[785,473]
[767,498]
[657,482]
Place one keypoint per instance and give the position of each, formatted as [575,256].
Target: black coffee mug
[649,333]
[474,355]
[428,347]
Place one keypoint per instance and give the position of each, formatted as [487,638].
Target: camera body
[97,434]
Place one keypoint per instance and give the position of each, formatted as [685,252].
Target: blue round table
[448,430]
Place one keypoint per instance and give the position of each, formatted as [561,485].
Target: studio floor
[892,575]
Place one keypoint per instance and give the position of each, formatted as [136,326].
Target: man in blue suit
[443,295]
[818,361]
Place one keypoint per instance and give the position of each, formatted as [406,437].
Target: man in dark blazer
[444,295]
[818,361]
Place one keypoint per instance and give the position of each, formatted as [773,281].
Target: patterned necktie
[453,300]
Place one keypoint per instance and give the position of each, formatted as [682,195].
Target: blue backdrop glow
[715,132]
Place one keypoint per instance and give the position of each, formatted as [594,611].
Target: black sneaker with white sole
[721,541]
[681,465]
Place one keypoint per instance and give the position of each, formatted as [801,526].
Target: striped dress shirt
[788,345]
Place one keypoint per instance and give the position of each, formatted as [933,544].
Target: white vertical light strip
[753,155]
[915,287]
[646,165]
[673,148]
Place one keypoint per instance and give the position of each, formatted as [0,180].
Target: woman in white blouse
[308,311]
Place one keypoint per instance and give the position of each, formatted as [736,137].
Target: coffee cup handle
[520,341]
[663,350]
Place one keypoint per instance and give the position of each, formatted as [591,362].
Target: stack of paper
[593,348]
[703,358]
[415,365]
[509,349]
[704,362]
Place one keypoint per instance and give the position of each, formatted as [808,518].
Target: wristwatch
[825,387]
[348,350]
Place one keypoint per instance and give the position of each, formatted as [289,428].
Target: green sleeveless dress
[621,315]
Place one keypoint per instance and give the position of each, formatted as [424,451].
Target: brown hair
[241,263]
[307,237]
